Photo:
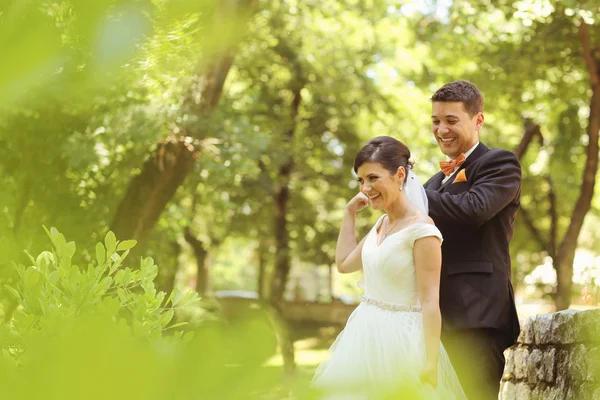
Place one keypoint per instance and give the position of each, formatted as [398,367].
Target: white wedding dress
[381,351]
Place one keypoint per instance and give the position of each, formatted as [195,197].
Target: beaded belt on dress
[386,305]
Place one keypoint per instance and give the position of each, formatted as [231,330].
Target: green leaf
[152,272]
[31,278]
[166,317]
[91,273]
[126,245]
[117,261]
[110,306]
[100,253]
[29,256]
[146,263]
[177,325]
[111,242]
[104,285]
[175,297]
[53,277]
[127,277]
[45,261]
[60,243]
[149,288]
[70,249]
[123,257]
[190,298]
[122,296]
[160,297]
[119,277]
[14,292]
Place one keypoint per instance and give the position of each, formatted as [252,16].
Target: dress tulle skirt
[380,355]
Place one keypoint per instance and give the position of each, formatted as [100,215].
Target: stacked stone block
[557,357]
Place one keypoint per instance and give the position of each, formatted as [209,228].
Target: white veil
[416,192]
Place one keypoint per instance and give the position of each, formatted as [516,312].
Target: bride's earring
[400,187]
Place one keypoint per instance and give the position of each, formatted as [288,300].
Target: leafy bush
[92,358]
[99,332]
[52,291]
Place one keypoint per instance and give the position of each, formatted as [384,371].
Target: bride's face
[379,185]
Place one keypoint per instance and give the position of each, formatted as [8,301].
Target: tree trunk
[151,190]
[532,130]
[330,281]
[201,253]
[564,255]
[165,281]
[282,248]
[202,276]
[553,218]
[568,246]
[281,200]
[262,266]
[282,191]
[282,264]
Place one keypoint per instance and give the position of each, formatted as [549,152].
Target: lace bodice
[389,270]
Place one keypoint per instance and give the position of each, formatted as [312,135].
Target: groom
[473,201]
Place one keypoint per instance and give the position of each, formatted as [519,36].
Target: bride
[390,347]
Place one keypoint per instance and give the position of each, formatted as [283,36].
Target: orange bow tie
[449,166]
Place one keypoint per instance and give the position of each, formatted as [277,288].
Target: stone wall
[557,357]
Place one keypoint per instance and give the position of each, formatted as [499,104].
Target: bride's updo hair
[387,151]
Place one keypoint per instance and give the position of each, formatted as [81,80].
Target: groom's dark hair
[461,91]
[387,151]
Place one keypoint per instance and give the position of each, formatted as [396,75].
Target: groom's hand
[429,375]
[357,203]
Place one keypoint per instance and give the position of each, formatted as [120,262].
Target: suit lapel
[449,181]
[435,182]
[480,150]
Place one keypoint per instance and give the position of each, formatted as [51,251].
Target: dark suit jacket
[476,218]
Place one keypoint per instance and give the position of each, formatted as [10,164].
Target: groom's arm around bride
[473,201]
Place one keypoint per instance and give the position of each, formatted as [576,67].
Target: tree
[168,166]
[560,85]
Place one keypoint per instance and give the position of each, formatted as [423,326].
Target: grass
[309,352]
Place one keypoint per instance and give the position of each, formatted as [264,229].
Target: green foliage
[89,90]
[288,52]
[76,327]
[53,291]
[92,88]
[91,357]
[526,57]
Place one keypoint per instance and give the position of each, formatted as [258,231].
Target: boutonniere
[460,177]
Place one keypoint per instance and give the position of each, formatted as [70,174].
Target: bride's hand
[357,203]
[429,375]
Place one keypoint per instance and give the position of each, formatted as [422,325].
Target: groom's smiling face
[453,128]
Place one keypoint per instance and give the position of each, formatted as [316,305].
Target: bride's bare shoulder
[423,218]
